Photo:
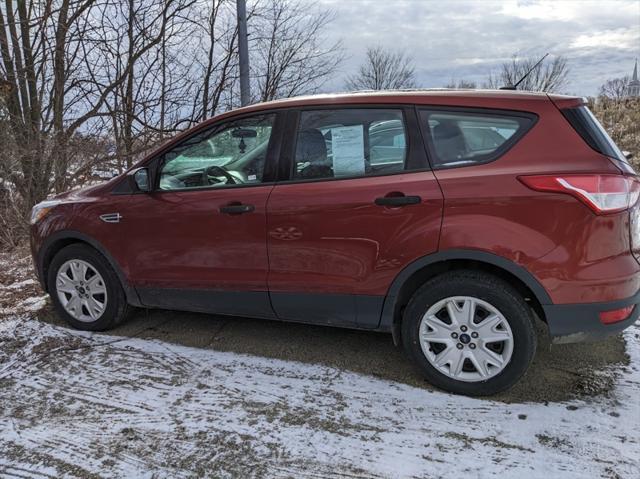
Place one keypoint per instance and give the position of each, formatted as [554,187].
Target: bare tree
[131,63]
[219,49]
[38,61]
[548,76]
[290,56]
[59,85]
[383,70]
[615,88]
[621,119]
[88,86]
[461,85]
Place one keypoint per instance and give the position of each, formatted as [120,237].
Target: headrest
[311,147]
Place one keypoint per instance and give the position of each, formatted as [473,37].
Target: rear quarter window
[465,138]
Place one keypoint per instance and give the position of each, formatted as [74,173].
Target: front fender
[58,240]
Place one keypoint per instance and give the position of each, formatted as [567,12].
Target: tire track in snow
[137,407]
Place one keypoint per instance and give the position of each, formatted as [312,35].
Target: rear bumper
[572,323]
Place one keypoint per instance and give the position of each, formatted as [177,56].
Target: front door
[198,240]
[359,205]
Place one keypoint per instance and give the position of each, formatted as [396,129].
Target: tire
[79,262]
[488,368]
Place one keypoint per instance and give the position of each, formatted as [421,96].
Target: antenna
[515,87]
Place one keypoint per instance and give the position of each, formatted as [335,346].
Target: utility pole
[243,50]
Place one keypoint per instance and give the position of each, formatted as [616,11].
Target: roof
[498,98]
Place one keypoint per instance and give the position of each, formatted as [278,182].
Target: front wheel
[85,290]
[469,333]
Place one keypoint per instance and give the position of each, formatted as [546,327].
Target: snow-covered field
[76,404]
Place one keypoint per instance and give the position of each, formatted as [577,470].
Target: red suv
[447,218]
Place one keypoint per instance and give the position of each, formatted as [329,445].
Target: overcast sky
[467,39]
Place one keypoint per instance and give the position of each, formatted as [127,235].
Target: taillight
[634,231]
[604,194]
[616,315]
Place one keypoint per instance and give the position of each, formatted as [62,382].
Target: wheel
[469,333]
[85,290]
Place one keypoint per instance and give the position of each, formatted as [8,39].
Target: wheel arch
[421,270]
[61,239]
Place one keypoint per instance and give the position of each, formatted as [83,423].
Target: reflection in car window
[349,142]
[471,138]
[228,154]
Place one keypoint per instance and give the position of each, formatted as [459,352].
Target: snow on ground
[19,290]
[81,405]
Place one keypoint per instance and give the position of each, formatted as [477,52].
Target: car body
[342,207]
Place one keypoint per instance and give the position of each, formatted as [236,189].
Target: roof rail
[400,90]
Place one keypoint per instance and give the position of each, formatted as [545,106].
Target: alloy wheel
[466,338]
[81,290]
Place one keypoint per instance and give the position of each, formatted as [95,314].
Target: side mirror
[140,179]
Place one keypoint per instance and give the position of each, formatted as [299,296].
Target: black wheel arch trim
[389,306]
[130,292]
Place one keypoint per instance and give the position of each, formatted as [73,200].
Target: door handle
[236,209]
[398,200]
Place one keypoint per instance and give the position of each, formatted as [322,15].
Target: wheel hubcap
[466,339]
[81,290]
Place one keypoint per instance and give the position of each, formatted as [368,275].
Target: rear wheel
[469,333]
[85,290]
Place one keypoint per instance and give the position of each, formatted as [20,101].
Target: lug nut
[463,328]
[472,346]
[454,335]
[459,345]
[474,335]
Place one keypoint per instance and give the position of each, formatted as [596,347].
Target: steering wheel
[215,170]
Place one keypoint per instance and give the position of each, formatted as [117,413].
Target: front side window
[229,154]
[349,142]
[462,138]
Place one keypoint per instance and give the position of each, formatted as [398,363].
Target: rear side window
[592,132]
[349,142]
[468,138]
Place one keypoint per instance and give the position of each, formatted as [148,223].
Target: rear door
[356,203]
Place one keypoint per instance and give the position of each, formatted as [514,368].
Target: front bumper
[35,247]
[572,323]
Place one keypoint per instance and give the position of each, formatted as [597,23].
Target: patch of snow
[31,304]
[144,408]
[19,284]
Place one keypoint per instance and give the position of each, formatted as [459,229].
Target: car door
[356,204]
[197,241]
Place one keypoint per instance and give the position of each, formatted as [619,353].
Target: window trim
[415,153]
[497,153]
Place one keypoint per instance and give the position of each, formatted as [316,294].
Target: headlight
[42,209]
